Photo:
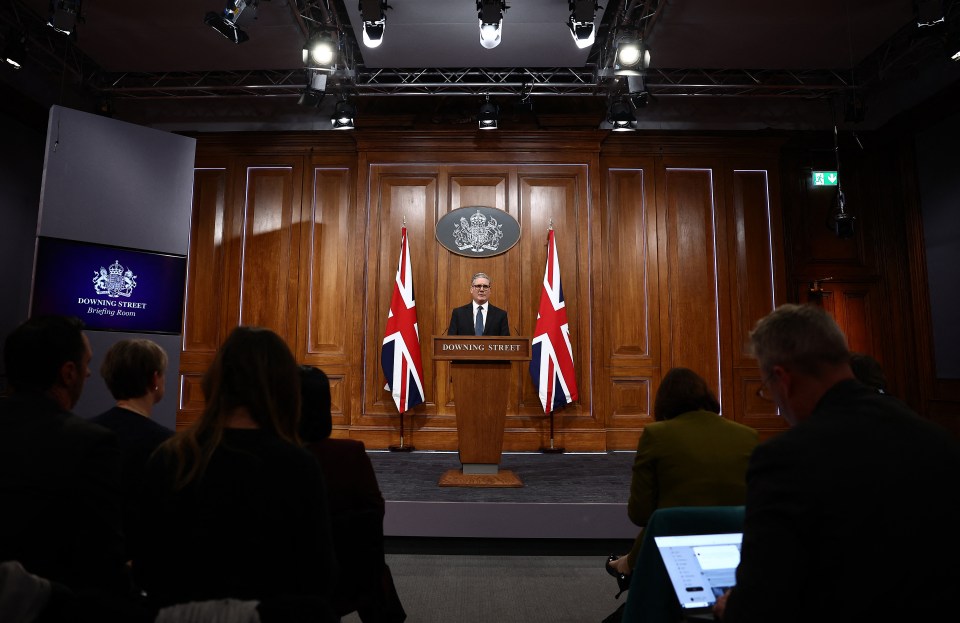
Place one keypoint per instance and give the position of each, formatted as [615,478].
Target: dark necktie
[478,329]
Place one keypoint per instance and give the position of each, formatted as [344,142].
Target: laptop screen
[701,566]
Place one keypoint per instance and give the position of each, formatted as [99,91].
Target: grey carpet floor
[437,588]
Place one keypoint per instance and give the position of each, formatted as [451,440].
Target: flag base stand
[401,447]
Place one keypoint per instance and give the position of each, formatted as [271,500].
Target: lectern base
[503,478]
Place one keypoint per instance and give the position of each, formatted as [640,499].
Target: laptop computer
[701,568]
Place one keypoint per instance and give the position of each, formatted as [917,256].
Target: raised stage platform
[565,496]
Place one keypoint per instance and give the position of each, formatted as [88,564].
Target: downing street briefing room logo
[478,231]
[115,281]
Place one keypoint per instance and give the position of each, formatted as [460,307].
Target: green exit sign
[824,178]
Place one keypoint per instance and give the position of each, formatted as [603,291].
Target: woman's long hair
[682,390]
[254,369]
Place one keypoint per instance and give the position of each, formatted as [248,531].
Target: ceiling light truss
[474,82]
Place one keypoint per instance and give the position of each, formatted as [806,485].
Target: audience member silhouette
[691,456]
[356,507]
[59,474]
[134,371]
[867,370]
[232,507]
[61,543]
[852,513]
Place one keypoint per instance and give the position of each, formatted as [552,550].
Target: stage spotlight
[313,93]
[374,14]
[631,57]
[15,51]
[343,115]
[320,50]
[582,14]
[225,23]
[490,13]
[489,116]
[621,117]
[63,15]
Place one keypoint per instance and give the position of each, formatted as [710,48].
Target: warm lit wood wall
[670,249]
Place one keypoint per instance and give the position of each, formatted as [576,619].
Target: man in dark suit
[59,474]
[479,317]
[852,514]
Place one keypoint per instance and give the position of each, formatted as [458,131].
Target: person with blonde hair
[135,373]
[232,507]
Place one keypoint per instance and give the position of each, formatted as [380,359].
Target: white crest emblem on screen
[115,281]
[479,234]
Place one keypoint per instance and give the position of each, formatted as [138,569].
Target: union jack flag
[400,355]
[551,364]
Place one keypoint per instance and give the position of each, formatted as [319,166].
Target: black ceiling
[754,64]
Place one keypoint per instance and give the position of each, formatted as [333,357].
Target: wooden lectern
[480,370]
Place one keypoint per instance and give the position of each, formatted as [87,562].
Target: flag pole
[552,449]
[401,447]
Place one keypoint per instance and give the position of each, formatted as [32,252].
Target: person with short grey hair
[831,501]
[479,317]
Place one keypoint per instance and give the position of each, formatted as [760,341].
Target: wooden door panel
[327,289]
[690,287]
[268,273]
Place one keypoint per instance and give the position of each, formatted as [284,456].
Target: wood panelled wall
[670,249]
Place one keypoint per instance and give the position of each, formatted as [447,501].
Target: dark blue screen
[109,288]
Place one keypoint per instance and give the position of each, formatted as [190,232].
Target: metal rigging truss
[520,82]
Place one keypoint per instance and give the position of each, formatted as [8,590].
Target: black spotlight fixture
[637,91]
[490,13]
[15,50]
[316,88]
[225,22]
[374,14]
[621,116]
[582,14]
[343,115]
[489,116]
[64,15]
[320,50]
[631,56]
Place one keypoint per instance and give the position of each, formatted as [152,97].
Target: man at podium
[479,317]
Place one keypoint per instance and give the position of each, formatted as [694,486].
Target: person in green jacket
[691,456]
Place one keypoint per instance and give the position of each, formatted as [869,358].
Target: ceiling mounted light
[15,51]
[631,56]
[621,117]
[343,115]
[225,23]
[489,116]
[320,50]
[313,93]
[374,14]
[63,15]
[582,15]
[490,13]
